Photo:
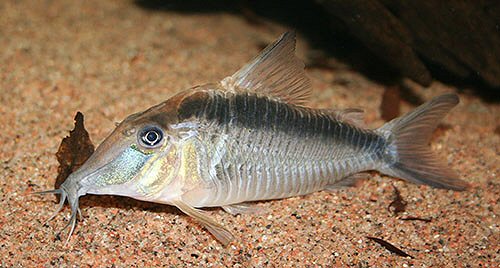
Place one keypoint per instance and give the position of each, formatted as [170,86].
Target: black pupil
[152,136]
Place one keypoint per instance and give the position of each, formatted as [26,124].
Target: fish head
[138,159]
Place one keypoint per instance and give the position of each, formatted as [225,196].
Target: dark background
[456,42]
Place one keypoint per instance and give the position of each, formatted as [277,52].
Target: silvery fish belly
[251,137]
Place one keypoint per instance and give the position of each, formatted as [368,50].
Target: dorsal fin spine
[276,73]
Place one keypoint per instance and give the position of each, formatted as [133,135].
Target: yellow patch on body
[158,172]
[189,169]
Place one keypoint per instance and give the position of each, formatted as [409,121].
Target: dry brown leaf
[74,150]
[390,103]
[398,204]
[413,218]
[389,247]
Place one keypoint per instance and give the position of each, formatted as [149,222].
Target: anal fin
[220,232]
[349,181]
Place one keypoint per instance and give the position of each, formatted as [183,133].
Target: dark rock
[461,37]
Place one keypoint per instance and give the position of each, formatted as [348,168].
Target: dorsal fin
[275,72]
[352,116]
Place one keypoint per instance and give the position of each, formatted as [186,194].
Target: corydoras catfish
[250,137]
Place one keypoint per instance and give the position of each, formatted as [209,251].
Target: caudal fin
[409,156]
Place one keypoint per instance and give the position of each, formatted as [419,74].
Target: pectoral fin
[217,230]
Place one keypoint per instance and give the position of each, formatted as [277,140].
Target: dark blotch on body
[250,111]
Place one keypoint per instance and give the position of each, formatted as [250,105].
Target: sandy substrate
[109,59]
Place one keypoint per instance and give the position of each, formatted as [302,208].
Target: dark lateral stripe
[194,106]
[241,101]
[253,112]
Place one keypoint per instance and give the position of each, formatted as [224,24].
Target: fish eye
[150,137]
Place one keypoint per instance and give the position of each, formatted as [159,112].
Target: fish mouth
[73,187]
[120,167]
[71,190]
[75,210]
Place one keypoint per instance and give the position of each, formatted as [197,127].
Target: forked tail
[408,155]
